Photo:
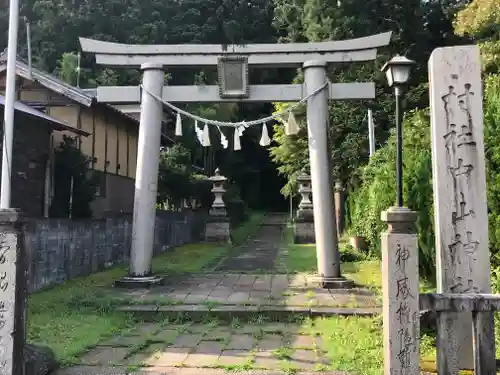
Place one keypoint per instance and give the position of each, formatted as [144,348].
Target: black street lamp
[397,71]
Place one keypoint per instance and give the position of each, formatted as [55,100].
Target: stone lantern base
[218,229]
[304,227]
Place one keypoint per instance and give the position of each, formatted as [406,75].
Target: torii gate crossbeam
[313,57]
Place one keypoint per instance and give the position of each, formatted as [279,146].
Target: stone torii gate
[233,86]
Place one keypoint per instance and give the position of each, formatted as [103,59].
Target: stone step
[199,313]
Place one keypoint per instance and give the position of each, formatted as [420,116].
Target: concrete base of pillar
[304,231]
[130,282]
[218,229]
[335,282]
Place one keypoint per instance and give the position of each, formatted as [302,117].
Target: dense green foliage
[377,190]
[56,26]
[492,153]
[75,184]
[418,27]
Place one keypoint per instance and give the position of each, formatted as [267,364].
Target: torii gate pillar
[325,227]
[146,180]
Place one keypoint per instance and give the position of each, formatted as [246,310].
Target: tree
[75,183]
[68,68]
[418,27]
[481,20]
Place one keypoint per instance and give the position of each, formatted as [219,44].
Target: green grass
[75,316]
[354,344]
[363,270]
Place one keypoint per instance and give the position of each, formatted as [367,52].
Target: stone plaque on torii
[234,86]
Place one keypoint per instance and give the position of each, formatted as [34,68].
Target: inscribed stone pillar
[400,293]
[13,291]
[459,182]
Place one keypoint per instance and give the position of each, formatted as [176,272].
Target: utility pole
[10,98]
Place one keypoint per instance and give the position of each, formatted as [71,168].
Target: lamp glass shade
[388,74]
[400,74]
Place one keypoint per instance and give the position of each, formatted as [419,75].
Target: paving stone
[298,300]
[125,341]
[246,280]
[263,282]
[218,334]
[302,341]
[229,280]
[243,288]
[200,328]
[240,342]
[166,335]
[205,354]
[177,327]
[248,328]
[196,298]
[169,357]
[147,355]
[187,341]
[233,357]
[178,296]
[295,281]
[219,289]
[304,359]
[92,370]
[276,327]
[267,360]
[220,295]
[145,329]
[279,282]
[259,296]
[239,297]
[270,342]
[105,355]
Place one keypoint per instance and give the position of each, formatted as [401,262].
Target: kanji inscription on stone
[459,180]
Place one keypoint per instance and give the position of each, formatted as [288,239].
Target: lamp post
[397,71]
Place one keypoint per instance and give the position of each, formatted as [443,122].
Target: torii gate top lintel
[284,54]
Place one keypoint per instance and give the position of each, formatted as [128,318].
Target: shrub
[492,153]
[377,191]
[75,181]
[235,206]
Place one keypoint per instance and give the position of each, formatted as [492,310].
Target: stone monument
[459,183]
[400,287]
[304,222]
[13,291]
[218,226]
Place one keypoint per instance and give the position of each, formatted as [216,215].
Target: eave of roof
[81,96]
[54,123]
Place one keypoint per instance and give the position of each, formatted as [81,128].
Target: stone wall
[62,249]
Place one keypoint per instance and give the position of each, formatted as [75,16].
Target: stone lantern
[305,191]
[218,225]
[218,207]
[304,222]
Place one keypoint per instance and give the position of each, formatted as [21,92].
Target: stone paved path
[260,251]
[211,348]
[161,347]
[242,291]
